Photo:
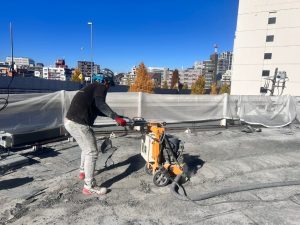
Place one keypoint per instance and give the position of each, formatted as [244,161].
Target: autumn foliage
[225,88]
[142,82]
[199,86]
[165,85]
[77,76]
[185,86]
[174,79]
[214,89]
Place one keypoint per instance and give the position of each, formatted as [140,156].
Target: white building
[226,77]
[198,65]
[189,76]
[163,71]
[267,37]
[21,62]
[129,78]
[53,73]
[37,73]
[227,57]
[224,63]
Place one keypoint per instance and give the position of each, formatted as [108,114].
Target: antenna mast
[12,49]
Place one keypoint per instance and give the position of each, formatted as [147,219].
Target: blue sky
[164,33]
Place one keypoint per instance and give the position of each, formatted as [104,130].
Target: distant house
[53,73]
[4,69]
[156,78]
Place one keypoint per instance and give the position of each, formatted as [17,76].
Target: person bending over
[87,104]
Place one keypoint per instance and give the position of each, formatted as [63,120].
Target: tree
[225,88]
[214,89]
[199,86]
[185,86]
[165,85]
[77,76]
[180,86]
[174,79]
[128,81]
[142,82]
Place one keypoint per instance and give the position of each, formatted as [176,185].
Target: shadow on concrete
[44,153]
[194,163]
[135,162]
[15,182]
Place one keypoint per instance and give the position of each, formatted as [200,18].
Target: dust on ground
[48,191]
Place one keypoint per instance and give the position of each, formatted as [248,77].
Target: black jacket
[88,103]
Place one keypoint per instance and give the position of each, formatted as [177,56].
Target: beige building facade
[267,37]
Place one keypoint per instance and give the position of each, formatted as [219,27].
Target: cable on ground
[178,191]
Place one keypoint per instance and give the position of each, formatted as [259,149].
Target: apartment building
[267,40]
[189,76]
[88,68]
[53,73]
[21,62]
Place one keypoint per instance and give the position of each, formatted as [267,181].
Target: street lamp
[90,23]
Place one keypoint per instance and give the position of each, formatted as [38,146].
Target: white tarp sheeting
[32,112]
[268,111]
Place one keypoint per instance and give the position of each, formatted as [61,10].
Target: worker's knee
[91,152]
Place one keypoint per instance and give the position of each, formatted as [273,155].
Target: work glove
[120,121]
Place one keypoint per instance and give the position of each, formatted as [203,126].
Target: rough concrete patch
[14,214]
[231,217]
[51,200]
[144,187]
[103,202]
[295,199]
[279,193]
[133,203]
[240,198]
[276,213]
[142,222]
[20,209]
[134,199]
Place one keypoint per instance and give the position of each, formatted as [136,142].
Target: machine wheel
[161,178]
[148,168]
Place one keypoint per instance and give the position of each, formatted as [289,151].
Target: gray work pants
[85,138]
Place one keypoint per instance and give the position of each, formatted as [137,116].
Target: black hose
[178,191]
[8,93]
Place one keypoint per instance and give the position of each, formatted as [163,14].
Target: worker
[87,104]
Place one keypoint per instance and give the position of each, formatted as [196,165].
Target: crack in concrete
[250,218]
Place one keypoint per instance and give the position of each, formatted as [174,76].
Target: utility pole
[92,67]
[215,62]
[12,69]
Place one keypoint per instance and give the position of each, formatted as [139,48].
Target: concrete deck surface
[48,191]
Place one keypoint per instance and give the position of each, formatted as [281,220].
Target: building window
[270,38]
[263,90]
[268,56]
[272,20]
[266,73]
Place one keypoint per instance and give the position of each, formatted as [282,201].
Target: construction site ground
[48,191]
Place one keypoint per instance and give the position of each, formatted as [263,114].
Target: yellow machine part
[158,132]
[175,169]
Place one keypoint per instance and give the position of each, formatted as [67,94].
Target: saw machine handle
[136,122]
[141,122]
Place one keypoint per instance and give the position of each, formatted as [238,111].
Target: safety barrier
[33,112]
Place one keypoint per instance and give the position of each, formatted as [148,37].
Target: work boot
[93,189]
[81,175]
